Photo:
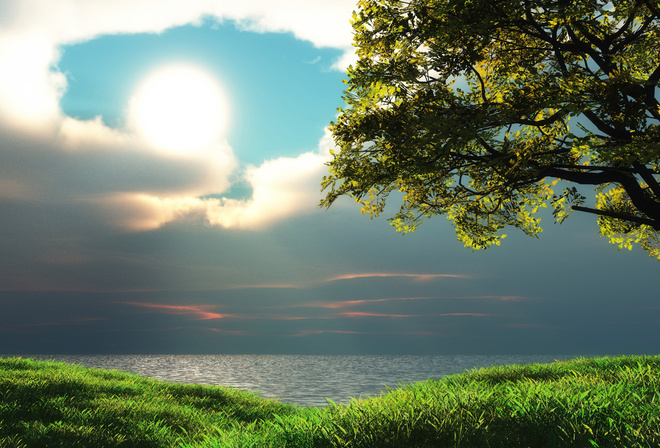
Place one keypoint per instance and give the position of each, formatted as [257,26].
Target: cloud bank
[48,156]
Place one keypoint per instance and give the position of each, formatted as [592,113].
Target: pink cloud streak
[203,314]
[364,314]
[347,303]
[198,310]
[420,277]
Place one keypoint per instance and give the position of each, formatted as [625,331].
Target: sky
[130,225]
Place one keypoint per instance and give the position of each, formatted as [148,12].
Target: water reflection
[303,380]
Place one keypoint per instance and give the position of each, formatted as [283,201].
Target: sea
[304,380]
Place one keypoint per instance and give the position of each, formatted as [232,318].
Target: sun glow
[179,108]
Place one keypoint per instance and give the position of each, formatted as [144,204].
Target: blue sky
[284,87]
[110,244]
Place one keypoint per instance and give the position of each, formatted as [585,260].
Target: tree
[464,107]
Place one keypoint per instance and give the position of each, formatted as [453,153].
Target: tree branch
[604,127]
[582,178]
[648,177]
[621,45]
[629,21]
[622,216]
[650,87]
[640,197]
[483,85]
[546,121]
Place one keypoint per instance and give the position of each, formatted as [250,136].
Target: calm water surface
[303,380]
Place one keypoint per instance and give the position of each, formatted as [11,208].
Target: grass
[597,402]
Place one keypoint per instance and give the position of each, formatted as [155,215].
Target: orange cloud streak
[198,310]
[363,314]
[334,305]
[203,314]
[420,277]
[347,303]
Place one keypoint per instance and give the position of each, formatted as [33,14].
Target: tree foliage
[481,109]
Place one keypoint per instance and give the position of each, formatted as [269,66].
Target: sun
[179,108]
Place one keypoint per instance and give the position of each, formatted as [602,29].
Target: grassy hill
[598,402]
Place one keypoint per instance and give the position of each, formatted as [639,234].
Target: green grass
[599,402]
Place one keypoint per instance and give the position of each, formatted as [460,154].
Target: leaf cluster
[474,109]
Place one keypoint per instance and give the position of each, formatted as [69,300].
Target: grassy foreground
[599,402]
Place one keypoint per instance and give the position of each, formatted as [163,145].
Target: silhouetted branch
[623,216]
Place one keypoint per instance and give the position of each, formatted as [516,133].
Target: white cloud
[48,156]
[322,22]
[32,31]
[82,134]
[346,60]
[325,23]
[281,187]
[29,91]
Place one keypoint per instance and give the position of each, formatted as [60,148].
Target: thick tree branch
[626,25]
[648,177]
[580,177]
[604,127]
[634,36]
[640,198]
[651,84]
[622,216]
[546,121]
[583,47]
